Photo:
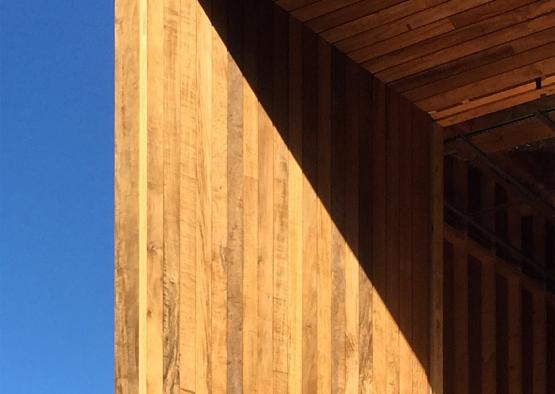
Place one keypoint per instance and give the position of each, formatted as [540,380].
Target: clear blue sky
[56,196]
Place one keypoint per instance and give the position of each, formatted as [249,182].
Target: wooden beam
[436,255]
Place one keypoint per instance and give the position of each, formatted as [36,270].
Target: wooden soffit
[456,59]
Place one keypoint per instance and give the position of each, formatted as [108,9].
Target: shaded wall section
[499,335]
[278,211]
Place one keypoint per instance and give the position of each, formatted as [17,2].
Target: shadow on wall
[347,222]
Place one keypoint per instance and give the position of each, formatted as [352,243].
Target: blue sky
[56,196]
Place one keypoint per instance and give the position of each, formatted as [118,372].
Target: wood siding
[498,307]
[277,221]
[508,336]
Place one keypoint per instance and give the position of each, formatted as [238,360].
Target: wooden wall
[499,332]
[278,226]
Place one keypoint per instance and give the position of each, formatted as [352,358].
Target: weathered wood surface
[274,210]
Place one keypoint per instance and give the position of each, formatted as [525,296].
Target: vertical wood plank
[219,190]
[379,218]
[264,70]
[187,197]
[475,371]
[203,347]
[392,242]
[338,215]
[155,200]
[514,300]
[126,209]
[351,232]
[280,190]
[250,229]
[406,353]
[365,227]
[501,335]
[460,286]
[488,362]
[295,187]
[309,216]
[539,333]
[460,301]
[448,320]
[236,184]
[436,256]
[172,177]
[421,227]
[324,220]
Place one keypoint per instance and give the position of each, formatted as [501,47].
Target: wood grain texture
[219,187]
[379,205]
[154,196]
[187,198]
[337,211]
[324,221]
[172,179]
[436,256]
[281,207]
[406,353]
[351,231]
[295,209]
[262,211]
[393,244]
[431,42]
[127,208]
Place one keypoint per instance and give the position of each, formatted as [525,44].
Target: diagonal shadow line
[364,122]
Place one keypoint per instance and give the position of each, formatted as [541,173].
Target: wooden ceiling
[456,59]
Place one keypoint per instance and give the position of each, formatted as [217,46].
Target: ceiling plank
[439,13]
[469,47]
[445,43]
[439,88]
[493,103]
[490,85]
[427,83]
[349,13]
[386,15]
[455,59]
[435,29]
